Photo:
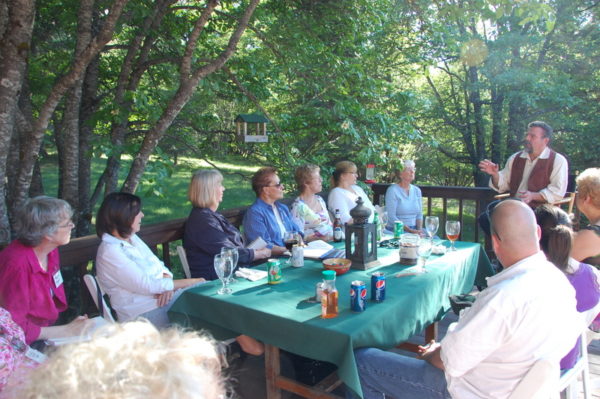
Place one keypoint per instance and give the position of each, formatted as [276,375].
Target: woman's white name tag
[58,280]
[35,355]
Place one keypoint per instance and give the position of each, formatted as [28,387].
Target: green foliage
[346,79]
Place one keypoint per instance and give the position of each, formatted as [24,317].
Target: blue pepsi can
[378,286]
[358,296]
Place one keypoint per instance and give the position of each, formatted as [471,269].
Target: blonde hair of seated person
[130,361]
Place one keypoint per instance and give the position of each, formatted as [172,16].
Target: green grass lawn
[173,202]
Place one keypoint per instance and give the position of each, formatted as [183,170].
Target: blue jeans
[387,374]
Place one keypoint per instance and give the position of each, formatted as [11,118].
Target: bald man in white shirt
[513,323]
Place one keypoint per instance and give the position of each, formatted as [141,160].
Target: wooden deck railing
[80,251]
[480,195]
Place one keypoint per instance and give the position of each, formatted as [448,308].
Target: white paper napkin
[250,274]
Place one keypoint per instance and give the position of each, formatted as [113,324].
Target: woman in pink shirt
[31,285]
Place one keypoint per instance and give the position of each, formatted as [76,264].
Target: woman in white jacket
[137,282]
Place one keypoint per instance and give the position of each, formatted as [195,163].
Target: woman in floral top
[14,359]
[309,210]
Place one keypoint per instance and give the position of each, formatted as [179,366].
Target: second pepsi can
[378,286]
[358,296]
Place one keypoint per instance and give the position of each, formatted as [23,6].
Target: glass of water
[223,268]
[423,252]
[432,223]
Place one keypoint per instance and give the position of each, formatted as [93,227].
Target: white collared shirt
[559,178]
[527,312]
[131,275]
[345,200]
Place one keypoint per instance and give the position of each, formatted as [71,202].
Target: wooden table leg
[272,371]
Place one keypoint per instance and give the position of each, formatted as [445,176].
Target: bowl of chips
[338,265]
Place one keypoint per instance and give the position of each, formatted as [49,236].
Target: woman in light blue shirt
[403,200]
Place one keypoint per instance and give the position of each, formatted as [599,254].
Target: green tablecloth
[280,315]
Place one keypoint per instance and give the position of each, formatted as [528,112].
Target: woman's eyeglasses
[69,224]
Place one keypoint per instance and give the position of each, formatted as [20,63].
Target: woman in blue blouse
[403,201]
[207,231]
[266,217]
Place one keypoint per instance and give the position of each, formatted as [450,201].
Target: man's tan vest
[538,179]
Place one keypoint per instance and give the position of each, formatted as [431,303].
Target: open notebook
[319,249]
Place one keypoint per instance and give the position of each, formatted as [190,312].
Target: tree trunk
[69,155]
[497,109]
[186,90]
[132,70]
[89,106]
[75,72]
[14,47]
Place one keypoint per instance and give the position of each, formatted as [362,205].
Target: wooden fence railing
[480,195]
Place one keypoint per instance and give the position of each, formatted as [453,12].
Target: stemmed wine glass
[424,251]
[234,255]
[431,225]
[223,268]
[452,232]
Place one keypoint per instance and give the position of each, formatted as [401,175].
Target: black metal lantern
[361,238]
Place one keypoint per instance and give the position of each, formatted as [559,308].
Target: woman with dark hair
[556,242]
[31,285]
[267,217]
[137,282]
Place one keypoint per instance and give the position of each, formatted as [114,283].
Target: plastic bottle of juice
[329,298]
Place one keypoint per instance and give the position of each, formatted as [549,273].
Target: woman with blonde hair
[130,360]
[345,192]
[309,209]
[207,231]
[403,200]
[586,246]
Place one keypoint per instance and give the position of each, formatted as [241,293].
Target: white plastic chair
[539,382]
[184,261]
[569,380]
[97,294]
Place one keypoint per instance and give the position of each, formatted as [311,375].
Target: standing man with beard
[535,175]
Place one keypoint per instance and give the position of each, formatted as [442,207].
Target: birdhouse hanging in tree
[253,127]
